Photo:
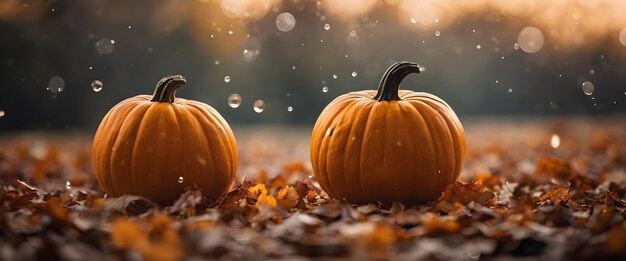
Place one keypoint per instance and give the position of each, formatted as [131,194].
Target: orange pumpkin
[157,146]
[387,145]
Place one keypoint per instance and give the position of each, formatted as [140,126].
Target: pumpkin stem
[165,90]
[390,83]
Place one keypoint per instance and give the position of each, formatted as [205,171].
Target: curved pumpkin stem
[165,90]
[390,83]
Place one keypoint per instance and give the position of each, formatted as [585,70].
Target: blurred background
[64,64]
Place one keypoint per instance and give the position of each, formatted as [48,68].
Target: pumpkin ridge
[231,143]
[212,151]
[113,141]
[430,145]
[366,109]
[211,117]
[132,148]
[362,158]
[126,121]
[350,124]
[431,124]
[215,129]
[338,117]
[106,179]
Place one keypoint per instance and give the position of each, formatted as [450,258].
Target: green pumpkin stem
[165,90]
[390,83]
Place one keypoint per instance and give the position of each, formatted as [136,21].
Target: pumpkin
[158,146]
[387,145]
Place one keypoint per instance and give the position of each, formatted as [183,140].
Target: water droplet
[68,185]
[285,22]
[437,33]
[230,32]
[326,27]
[226,78]
[324,88]
[354,74]
[181,180]
[413,20]
[592,71]
[289,109]
[96,85]
[473,30]
[259,106]
[329,131]
[422,68]
[588,87]
[56,84]
[530,39]
[334,76]
[104,46]
[510,90]
[478,47]
[516,46]
[555,141]
[497,81]
[234,100]
[217,62]
[436,20]
[1,114]
[622,36]
[293,67]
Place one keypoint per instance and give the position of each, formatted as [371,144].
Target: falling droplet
[234,100]
[181,180]
[226,78]
[96,85]
[285,22]
[334,76]
[422,68]
[230,32]
[437,33]
[510,90]
[622,36]
[530,39]
[326,27]
[592,71]
[354,74]
[516,46]
[104,46]
[353,33]
[68,185]
[555,141]
[1,114]
[56,84]
[478,46]
[289,109]
[293,67]
[588,87]
[497,81]
[217,62]
[259,106]
[329,131]
[324,88]
[413,20]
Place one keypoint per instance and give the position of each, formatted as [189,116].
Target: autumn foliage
[530,201]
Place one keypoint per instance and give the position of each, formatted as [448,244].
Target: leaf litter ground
[517,197]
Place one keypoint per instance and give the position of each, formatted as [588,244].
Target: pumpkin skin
[387,145]
[144,144]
